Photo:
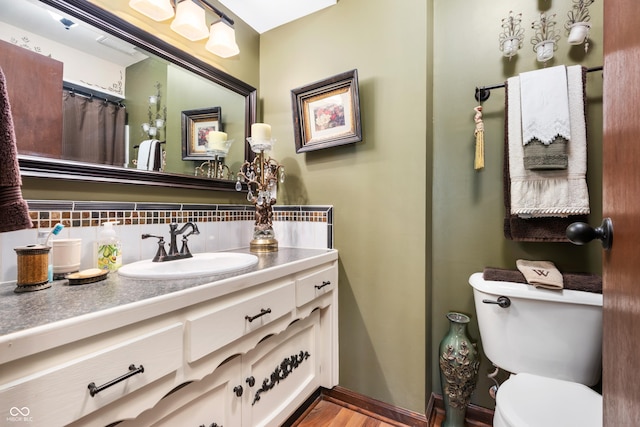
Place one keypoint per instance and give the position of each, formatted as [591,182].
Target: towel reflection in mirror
[150,155]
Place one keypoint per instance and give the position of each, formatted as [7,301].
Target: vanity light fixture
[190,22]
[222,41]
[158,10]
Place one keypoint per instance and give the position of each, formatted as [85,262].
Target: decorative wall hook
[512,35]
[577,25]
[545,38]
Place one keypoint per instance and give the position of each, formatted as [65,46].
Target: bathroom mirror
[184,82]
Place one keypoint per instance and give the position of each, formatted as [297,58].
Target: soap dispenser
[109,248]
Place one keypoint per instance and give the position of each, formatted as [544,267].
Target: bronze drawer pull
[324,283]
[262,313]
[93,390]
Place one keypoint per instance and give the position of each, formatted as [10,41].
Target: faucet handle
[161,254]
[184,250]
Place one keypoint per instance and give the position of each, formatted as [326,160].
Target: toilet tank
[556,334]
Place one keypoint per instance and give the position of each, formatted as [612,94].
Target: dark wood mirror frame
[33,166]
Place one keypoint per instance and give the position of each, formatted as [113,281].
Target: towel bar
[482,93]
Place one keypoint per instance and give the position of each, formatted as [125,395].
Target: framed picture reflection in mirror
[196,125]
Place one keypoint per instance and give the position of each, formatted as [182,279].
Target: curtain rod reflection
[483,92]
[78,90]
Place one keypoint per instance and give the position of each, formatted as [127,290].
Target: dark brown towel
[574,281]
[14,212]
[546,229]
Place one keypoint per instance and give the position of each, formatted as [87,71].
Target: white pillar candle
[261,132]
[216,140]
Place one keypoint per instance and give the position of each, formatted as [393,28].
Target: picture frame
[196,124]
[327,113]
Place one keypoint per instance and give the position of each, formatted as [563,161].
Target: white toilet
[551,343]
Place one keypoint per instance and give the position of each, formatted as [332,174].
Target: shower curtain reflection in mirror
[93,130]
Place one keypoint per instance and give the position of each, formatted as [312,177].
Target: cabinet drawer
[60,395]
[315,284]
[224,324]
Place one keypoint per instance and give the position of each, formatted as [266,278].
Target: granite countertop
[21,311]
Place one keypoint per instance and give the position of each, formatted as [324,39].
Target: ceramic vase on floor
[459,363]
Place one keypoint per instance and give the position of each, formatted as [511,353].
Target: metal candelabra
[261,177]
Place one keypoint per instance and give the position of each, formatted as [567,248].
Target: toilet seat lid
[532,400]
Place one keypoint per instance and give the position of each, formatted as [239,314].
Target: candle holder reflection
[261,177]
[217,147]
[214,169]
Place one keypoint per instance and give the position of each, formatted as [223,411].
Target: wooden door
[621,202]
[36,99]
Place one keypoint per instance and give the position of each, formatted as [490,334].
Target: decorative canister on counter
[66,255]
[33,268]
[459,364]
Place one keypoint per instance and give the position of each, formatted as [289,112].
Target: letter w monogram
[544,273]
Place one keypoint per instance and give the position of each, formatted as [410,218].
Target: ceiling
[264,15]
[34,17]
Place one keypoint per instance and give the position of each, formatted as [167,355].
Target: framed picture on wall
[327,113]
[196,125]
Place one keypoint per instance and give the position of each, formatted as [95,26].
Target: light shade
[190,21]
[222,40]
[158,10]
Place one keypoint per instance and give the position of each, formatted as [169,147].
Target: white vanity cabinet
[245,351]
[60,394]
[259,388]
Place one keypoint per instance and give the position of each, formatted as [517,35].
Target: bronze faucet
[162,255]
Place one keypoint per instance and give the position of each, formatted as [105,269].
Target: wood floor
[329,414]
[343,408]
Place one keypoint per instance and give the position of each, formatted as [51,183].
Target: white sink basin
[201,265]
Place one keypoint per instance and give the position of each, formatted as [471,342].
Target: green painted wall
[393,275]
[468,205]
[140,82]
[380,187]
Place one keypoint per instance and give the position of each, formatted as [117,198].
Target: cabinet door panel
[286,369]
[204,402]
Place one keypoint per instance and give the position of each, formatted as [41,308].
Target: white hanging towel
[545,105]
[147,154]
[551,193]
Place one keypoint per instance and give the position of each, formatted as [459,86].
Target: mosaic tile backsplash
[222,227]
